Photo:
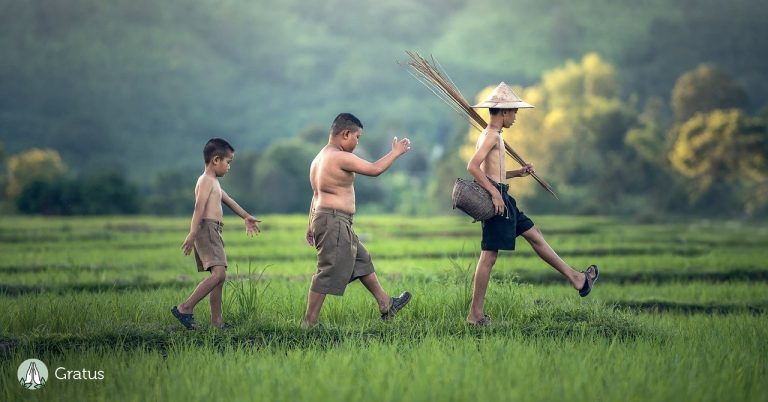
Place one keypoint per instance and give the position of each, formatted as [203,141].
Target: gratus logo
[32,374]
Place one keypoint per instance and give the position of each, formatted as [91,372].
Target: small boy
[205,233]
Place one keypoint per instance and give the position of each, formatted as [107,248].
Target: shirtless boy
[341,257]
[205,233]
[488,168]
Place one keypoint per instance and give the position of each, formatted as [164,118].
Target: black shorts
[499,232]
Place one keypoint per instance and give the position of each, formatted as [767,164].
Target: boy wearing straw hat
[341,257]
[487,166]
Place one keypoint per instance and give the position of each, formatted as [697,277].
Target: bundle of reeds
[431,75]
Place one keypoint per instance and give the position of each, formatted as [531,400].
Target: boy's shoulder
[486,137]
[205,179]
[330,154]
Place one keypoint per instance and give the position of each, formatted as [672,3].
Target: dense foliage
[138,87]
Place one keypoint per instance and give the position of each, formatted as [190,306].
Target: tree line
[697,152]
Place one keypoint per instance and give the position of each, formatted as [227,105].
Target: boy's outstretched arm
[522,172]
[352,163]
[202,195]
[251,223]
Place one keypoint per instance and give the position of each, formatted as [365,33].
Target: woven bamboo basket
[471,198]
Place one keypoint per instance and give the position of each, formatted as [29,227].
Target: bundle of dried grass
[432,76]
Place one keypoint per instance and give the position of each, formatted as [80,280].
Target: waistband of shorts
[504,186]
[212,221]
[334,212]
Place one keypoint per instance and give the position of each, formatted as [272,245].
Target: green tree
[281,177]
[448,166]
[704,89]
[103,193]
[721,150]
[171,193]
[51,197]
[32,165]
[2,175]
[107,193]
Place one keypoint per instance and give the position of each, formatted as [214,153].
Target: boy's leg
[218,275]
[314,304]
[546,253]
[215,300]
[371,282]
[482,276]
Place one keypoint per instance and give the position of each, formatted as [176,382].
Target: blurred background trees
[640,108]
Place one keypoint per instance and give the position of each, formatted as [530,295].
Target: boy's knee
[219,274]
[533,235]
[489,257]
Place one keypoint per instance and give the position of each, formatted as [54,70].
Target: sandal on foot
[396,303]
[187,320]
[483,322]
[589,282]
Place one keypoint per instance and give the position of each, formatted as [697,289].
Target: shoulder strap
[501,155]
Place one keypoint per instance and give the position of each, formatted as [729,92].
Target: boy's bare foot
[224,326]
[315,325]
[482,322]
[183,310]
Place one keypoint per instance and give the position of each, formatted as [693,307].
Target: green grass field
[679,314]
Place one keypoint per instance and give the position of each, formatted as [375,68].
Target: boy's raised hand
[252,226]
[527,170]
[188,244]
[402,146]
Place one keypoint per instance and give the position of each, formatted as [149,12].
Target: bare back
[493,164]
[333,186]
[213,208]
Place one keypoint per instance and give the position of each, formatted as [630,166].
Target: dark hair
[495,110]
[216,147]
[345,121]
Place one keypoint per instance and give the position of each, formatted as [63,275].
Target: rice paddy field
[680,313]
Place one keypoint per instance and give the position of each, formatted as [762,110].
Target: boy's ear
[345,134]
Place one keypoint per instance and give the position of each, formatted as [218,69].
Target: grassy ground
[679,313]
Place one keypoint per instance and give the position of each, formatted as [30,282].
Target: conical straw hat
[503,98]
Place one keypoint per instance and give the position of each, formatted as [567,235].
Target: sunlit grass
[679,313]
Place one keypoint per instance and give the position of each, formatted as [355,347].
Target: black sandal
[397,303]
[589,282]
[187,320]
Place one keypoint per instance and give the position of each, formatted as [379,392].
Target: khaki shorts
[209,246]
[341,258]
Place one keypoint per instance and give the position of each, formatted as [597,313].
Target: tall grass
[471,367]
[247,295]
[94,293]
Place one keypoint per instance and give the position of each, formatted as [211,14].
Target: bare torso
[493,164]
[333,186]
[213,208]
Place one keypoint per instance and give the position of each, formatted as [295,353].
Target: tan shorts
[209,245]
[341,258]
